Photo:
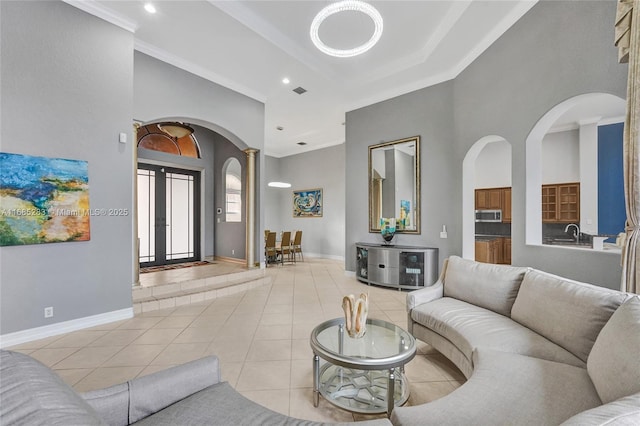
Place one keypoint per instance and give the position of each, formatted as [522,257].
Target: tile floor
[261,338]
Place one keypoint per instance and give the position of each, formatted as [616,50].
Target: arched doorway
[470,182]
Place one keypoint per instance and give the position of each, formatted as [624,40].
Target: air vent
[302,143]
[299,90]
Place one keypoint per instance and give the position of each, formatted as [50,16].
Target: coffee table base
[362,391]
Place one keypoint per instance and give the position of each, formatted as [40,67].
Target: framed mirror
[394,184]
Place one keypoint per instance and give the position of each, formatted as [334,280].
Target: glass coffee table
[363,375]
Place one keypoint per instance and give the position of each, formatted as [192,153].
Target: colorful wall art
[43,200]
[307,203]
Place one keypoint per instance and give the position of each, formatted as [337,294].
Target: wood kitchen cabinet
[506,205]
[561,203]
[506,258]
[497,250]
[489,199]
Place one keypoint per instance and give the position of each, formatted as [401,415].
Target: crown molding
[96,9]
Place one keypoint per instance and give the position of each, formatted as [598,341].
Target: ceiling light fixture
[343,6]
[286,80]
[279,185]
[150,8]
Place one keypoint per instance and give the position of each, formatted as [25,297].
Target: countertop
[486,237]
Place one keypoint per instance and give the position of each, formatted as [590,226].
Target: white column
[588,135]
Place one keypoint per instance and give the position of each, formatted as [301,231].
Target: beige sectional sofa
[536,348]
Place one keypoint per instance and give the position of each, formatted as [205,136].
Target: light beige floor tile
[302,330]
[424,392]
[276,400]
[230,349]
[135,356]
[264,375]
[272,308]
[195,335]
[269,350]
[73,375]
[422,369]
[192,310]
[52,356]
[141,322]
[231,371]
[88,357]
[105,377]
[448,368]
[301,349]
[153,369]
[180,353]
[301,373]
[301,406]
[77,339]
[157,336]
[36,344]
[273,332]
[119,337]
[174,321]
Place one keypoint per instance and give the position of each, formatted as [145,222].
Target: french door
[168,215]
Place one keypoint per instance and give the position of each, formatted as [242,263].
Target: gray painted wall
[323,168]
[66,92]
[162,91]
[558,50]
[428,113]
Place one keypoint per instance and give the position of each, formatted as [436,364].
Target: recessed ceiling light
[280,128]
[279,185]
[150,8]
[344,6]
[302,143]
[286,80]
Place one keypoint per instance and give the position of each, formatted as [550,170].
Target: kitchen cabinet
[506,205]
[561,203]
[495,199]
[494,250]
[489,199]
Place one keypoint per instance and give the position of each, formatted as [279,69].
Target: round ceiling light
[343,6]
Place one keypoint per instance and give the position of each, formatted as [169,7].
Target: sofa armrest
[138,398]
[424,295]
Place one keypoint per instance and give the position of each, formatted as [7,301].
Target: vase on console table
[387,229]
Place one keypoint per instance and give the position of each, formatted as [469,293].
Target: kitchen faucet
[576,232]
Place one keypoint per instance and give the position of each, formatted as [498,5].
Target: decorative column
[251,207]
[134,208]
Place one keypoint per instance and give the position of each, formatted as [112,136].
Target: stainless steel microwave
[488,215]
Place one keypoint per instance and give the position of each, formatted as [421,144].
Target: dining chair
[297,245]
[270,251]
[285,247]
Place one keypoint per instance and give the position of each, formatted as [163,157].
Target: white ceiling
[250,46]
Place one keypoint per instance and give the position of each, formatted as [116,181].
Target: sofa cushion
[621,412]
[468,327]
[493,287]
[32,394]
[614,361]
[221,405]
[505,389]
[566,312]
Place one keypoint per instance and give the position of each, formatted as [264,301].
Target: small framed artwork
[307,203]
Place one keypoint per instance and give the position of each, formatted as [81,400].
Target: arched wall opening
[468,192]
[582,114]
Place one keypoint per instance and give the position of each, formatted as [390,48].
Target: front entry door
[168,215]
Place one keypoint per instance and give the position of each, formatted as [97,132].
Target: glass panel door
[168,215]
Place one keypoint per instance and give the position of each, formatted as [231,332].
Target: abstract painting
[43,200]
[307,203]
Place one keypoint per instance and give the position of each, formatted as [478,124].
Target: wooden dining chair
[297,245]
[285,247]
[270,250]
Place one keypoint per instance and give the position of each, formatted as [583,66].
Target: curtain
[627,39]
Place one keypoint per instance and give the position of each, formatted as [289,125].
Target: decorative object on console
[355,314]
[388,228]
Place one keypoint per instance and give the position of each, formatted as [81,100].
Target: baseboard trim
[19,337]
[324,256]
[230,260]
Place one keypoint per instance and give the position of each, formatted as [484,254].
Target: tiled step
[147,299]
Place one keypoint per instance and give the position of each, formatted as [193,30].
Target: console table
[402,267]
